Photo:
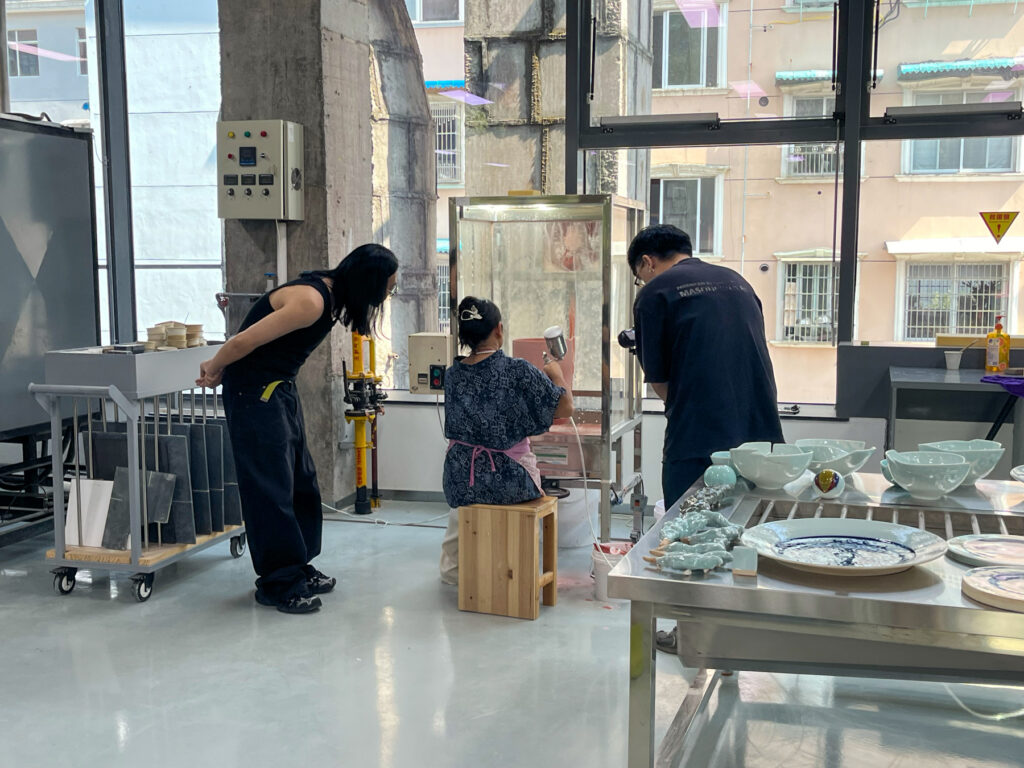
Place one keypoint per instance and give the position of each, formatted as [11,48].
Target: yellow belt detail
[268,391]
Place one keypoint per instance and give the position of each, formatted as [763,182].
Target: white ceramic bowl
[842,456]
[982,455]
[770,466]
[927,475]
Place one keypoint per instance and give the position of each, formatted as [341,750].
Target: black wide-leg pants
[277,483]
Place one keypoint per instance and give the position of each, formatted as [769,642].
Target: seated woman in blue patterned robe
[493,404]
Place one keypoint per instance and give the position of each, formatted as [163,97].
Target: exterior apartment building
[926,263]
[439,26]
[46,56]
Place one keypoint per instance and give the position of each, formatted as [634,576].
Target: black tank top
[281,358]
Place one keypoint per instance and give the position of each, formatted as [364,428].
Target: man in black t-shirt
[700,341]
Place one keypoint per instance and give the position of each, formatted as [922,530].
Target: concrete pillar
[515,58]
[341,68]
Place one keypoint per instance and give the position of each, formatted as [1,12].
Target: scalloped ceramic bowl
[842,456]
[982,455]
[770,466]
[927,475]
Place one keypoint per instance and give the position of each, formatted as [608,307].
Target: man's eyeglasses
[637,281]
[393,291]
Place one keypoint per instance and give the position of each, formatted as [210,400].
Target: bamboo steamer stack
[171,335]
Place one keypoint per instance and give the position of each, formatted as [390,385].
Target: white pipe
[282,252]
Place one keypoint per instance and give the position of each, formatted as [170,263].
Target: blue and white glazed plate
[844,547]
[1000,587]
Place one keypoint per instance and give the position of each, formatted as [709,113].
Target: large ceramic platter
[1000,587]
[1017,473]
[988,549]
[844,547]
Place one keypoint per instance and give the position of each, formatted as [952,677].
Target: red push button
[263,134]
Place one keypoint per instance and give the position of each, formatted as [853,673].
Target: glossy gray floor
[391,674]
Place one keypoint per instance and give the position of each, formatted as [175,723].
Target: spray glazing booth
[562,261]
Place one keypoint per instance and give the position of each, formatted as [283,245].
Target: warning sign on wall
[998,222]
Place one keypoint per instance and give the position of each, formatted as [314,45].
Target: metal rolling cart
[561,260]
[122,385]
[914,625]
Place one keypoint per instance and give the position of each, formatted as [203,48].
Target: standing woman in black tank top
[257,366]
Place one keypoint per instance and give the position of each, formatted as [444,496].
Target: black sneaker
[299,604]
[319,583]
[667,641]
[294,604]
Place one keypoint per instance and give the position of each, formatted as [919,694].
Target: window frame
[721,59]
[718,180]
[460,150]
[990,259]
[789,104]
[417,17]
[781,280]
[910,96]
[13,37]
[83,51]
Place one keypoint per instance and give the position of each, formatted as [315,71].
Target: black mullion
[856,23]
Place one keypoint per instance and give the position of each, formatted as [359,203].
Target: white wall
[412,446]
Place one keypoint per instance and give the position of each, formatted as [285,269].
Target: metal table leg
[641,685]
[1017,452]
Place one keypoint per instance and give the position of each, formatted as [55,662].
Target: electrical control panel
[260,170]
[430,354]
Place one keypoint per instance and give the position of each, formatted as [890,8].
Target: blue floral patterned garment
[495,403]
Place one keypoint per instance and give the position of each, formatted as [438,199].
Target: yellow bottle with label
[997,350]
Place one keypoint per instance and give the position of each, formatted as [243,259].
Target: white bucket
[573,529]
[602,564]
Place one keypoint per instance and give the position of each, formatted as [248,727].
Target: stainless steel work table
[939,379]
[912,625]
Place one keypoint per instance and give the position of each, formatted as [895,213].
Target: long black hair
[361,286]
[477,320]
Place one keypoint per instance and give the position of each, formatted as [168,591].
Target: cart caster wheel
[238,546]
[142,586]
[64,581]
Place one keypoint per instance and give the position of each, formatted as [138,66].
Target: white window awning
[956,246]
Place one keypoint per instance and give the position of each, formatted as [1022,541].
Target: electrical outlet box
[260,170]
[430,354]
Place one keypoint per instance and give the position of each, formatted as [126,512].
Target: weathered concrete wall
[515,58]
[349,72]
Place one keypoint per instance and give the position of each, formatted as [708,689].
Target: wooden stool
[499,557]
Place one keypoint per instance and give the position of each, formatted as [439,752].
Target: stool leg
[550,594]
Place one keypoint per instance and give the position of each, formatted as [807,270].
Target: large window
[953,297]
[692,205]
[978,155]
[686,47]
[23,53]
[808,296]
[448,144]
[434,10]
[813,159]
[83,57]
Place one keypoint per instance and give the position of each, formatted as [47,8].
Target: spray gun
[554,340]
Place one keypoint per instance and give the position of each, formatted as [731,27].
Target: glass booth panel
[549,261]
